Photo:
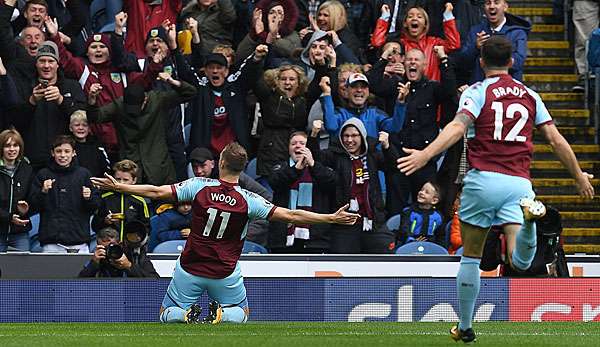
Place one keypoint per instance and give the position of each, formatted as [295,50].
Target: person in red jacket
[97,68]
[145,15]
[415,35]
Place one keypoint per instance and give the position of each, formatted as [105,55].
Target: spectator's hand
[317,125]
[301,163]
[257,21]
[260,52]
[159,56]
[421,238]
[325,85]
[52,93]
[99,254]
[22,207]
[385,11]
[192,25]
[439,51]
[120,22]
[308,157]
[482,36]
[394,69]
[462,88]
[313,23]
[304,32]
[330,53]
[51,26]
[334,38]
[111,219]
[384,139]
[122,263]
[171,33]
[47,185]
[185,232]
[18,221]
[37,94]
[2,68]
[449,7]
[584,185]
[403,90]
[86,193]
[95,90]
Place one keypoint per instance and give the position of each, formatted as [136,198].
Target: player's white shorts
[492,198]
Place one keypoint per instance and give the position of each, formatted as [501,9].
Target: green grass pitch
[293,334]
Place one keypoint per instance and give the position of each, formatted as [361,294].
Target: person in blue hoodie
[497,22]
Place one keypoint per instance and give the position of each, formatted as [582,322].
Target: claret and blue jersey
[504,112]
[221,212]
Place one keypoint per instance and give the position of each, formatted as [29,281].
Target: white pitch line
[192,334]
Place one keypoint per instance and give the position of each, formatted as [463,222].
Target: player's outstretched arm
[565,154]
[306,217]
[153,192]
[453,132]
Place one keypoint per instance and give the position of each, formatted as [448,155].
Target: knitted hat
[47,49]
[159,32]
[103,38]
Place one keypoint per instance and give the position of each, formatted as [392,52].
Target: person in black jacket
[356,163]
[301,183]
[90,153]
[15,181]
[46,107]
[66,199]
[421,124]
[219,113]
[128,264]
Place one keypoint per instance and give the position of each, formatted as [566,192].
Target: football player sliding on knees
[209,261]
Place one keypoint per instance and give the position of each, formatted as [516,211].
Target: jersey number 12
[212,215]
[513,134]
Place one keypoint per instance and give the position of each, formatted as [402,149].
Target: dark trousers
[400,187]
[351,239]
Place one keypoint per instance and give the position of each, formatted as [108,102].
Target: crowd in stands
[323,94]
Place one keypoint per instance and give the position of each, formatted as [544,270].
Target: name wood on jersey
[223,198]
[503,91]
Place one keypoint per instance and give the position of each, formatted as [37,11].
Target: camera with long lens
[114,251]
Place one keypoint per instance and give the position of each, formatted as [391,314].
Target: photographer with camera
[126,259]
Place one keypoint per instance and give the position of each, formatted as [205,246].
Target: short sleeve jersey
[504,112]
[220,215]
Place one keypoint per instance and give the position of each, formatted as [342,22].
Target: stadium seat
[251,168]
[459,251]
[393,223]
[253,248]
[420,248]
[170,247]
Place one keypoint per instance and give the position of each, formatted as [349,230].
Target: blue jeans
[19,241]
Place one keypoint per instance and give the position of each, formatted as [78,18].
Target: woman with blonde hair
[15,181]
[283,105]
[332,17]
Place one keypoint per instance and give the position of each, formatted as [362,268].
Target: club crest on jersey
[115,77]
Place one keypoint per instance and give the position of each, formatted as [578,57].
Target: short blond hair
[338,19]
[78,116]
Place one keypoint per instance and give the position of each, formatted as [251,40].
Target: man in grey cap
[44,112]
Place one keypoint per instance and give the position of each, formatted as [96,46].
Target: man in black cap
[219,114]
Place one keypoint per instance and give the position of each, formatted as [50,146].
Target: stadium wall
[309,299]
